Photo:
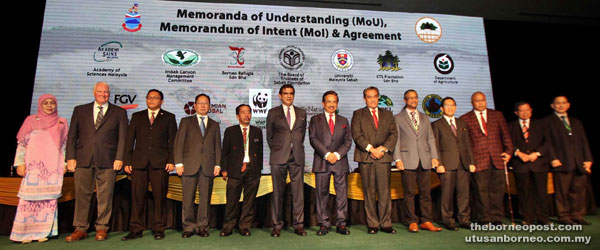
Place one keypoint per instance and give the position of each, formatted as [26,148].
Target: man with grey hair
[95,147]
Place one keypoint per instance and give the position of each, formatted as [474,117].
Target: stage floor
[358,239]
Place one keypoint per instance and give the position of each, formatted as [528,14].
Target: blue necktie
[202,125]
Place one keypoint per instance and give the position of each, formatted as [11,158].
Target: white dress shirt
[327,119]
[96,110]
[478,115]
[292,114]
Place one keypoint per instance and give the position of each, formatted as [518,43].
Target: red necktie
[375,118]
[152,119]
[484,124]
[244,135]
[331,125]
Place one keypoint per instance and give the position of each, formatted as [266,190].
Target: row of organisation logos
[181,68]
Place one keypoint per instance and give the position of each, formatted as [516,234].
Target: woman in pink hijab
[40,160]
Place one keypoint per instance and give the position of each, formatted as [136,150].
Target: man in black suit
[197,154]
[456,165]
[241,162]
[152,131]
[375,134]
[571,162]
[95,147]
[286,129]
[530,166]
[331,138]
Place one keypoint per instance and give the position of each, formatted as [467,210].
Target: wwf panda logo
[260,100]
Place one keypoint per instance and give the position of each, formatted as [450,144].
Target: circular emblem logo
[432,104]
[342,60]
[443,63]
[428,30]
[291,57]
[189,108]
[181,57]
[385,101]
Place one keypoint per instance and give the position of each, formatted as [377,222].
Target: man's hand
[332,158]
[179,170]
[128,169]
[117,165]
[435,163]
[440,169]
[587,165]
[523,156]
[71,165]
[472,168]
[376,153]
[169,167]
[533,157]
[216,171]
[224,173]
[21,170]
[556,163]
[400,165]
[505,157]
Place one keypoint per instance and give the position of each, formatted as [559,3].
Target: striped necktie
[99,117]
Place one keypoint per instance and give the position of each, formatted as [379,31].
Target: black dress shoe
[322,231]
[245,232]
[466,225]
[225,233]
[300,231]
[203,233]
[275,233]
[372,230]
[497,223]
[582,222]
[451,226]
[566,222]
[187,234]
[342,230]
[159,235]
[133,235]
[389,230]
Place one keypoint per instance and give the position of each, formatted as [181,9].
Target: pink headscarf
[57,126]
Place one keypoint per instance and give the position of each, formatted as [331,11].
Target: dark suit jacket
[153,143]
[232,154]
[571,150]
[197,152]
[411,147]
[280,138]
[365,133]
[323,142]
[491,146]
[104,145]
[536,142]
[453,150]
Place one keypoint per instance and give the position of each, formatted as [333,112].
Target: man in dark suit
[241,162]
[197,154]
[331,138]
[492,149]
[415,154]
[456,165]
[95,147]
[286,129]
[375,134]
[530,166]
[571,162]
[152,131]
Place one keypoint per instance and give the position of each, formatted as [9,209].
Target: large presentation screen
[243,54]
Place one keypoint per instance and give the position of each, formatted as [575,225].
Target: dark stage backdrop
[528,61]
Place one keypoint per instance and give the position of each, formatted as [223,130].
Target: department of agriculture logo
[108,51]
[432,104]
[291,57]
[428,30]
[388,62]
[385,102]
[342,60]
[443,63]
[236,57]
[181,57]
[133,21]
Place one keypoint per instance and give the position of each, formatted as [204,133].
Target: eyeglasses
[153,98]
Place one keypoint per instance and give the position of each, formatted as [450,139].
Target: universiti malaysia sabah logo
[132,19]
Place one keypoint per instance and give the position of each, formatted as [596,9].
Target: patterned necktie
[525,130]
[453,127]
[375,118]
[414,121]
[202,128]
[244,136]
[483,123]
[99,117]
[288,117]
[152,118]
[331,125]
[567,126]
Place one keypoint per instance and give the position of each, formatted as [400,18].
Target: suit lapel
[109,111]
[406,117]
[447,126]
[368,113]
